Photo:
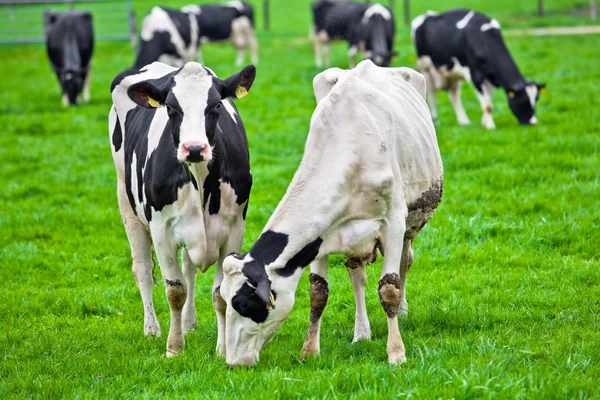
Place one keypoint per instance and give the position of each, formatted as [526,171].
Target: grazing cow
[174,36]
[465,45]
[183,181]
[70,44]
[233,21]
[370,178]
[369,28]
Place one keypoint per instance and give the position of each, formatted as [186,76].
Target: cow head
[381,58]
[71,81]
[192,99]
[257,305]
[522,101]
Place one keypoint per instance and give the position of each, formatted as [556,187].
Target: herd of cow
[370,178]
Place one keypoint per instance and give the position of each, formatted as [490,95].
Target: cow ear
[233,264]
[263,291]
[50,17]
[146,94]
[324,82]
[239,84]
[86,16]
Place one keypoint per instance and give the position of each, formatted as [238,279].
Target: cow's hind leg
[358,276]
[319,295]
[389,284]
[484,92]
[189,309]
[141,254]
[175,287]
[86,87]
[405,264]
[454,94]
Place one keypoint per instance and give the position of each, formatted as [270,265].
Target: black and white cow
[466,45]
[183,181]
[174,36]
[70,44]
[368,28]
[231,21]
[370,178]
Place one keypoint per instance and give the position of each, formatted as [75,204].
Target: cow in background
[232,21]
[368,28]
[70,44]
[174,36]
[370,178]
[466,45]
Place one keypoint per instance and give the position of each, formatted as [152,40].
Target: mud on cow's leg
[176,296]
[389,296]
[319,295]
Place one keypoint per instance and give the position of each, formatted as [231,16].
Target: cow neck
[506,74]
[378,37]
[199,171]
[313,202]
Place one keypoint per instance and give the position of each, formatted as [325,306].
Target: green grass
[504,296]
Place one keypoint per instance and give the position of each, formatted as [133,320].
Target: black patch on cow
[269,247]
[122,76]
[302,258]
[152,49]
[341,20]
[215,20]
[181,21]
[117,136]
[249,305]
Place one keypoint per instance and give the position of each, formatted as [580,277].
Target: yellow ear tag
[153,103]
[511,94]
[271,299]
[543,90]
[240,92]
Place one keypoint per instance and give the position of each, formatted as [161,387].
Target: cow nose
[194,151]
[533,121]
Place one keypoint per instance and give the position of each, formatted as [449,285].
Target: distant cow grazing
[370,178]
[465,45]
[183,181]
[174,36]
[368,28]
[70,44]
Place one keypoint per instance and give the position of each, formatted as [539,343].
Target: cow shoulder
[325,81]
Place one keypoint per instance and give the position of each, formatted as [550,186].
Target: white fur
[493,24]
[462,24]
[371,150]
[532,92]
[376,9]
[229,107]
[235,4]
[418,21]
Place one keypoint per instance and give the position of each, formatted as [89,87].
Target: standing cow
[183,181]
[70,44]
[368,28]
[174,36]
[370,178]
[465,45]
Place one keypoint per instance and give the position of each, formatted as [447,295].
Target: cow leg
[319,294]
[175,287]
[358,277]
[241,54]
[425,66]
[389,284]
[405,264]
[189,309]
[484,92]
[65,100]
[141,254]
[454,94]
[352,56]
[86,88]
[220,308]
[200,56]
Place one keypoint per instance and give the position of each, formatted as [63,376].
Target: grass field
[504,293]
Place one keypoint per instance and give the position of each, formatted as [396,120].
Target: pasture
[504,294]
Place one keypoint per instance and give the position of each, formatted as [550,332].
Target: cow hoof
[398,358]
[361,334]
[403,309]
[171,354]
[464,123]
[152,330]
[189,326]
[221,351]
[307,353]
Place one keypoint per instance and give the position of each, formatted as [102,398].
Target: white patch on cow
[229,107]
[376,9]
[192,9]
[192,95]
[235,4]
[493,24]
[532,92]
[159,21]
[533,120]
[418,21]
[157,127]
[462,24]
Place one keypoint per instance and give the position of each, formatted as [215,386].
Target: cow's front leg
[454,94]
[389,284]
[189,309]
[86,87]
[484,94]
[220,309]
[319,294]
[352,56]
[175,288]
[358,277]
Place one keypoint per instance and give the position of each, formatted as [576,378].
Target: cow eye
[218,107]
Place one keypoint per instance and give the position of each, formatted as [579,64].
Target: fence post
[540,8]
[266,22]
[593,10]
[406,12]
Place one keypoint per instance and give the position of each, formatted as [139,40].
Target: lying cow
[465,45]
[368,28]
[232,21]
[183,181]
[370,178]
[70,44]
[174,37]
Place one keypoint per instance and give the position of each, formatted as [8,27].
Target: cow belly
[443,77]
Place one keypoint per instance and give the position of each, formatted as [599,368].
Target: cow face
[192,99]
[381,59]
[256,308]
[71,82]
[522,102]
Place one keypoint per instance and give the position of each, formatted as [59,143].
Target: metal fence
[22,21]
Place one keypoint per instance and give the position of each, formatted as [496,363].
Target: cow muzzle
[248,360]
[195,152]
